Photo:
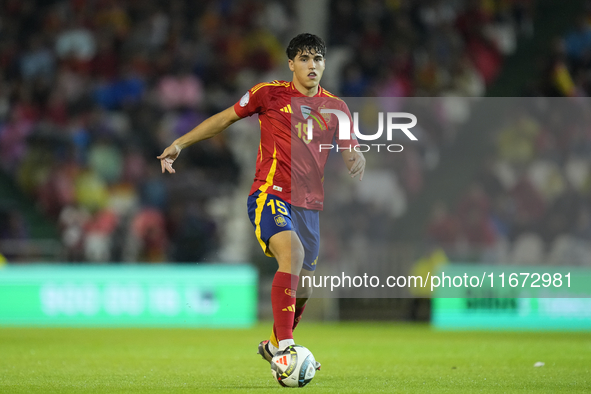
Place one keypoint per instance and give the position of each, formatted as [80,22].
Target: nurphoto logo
[345,127]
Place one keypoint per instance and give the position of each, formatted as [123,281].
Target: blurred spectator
[465,79]
[578,41]
[126,90]
[529,203]
[149,228]
[105,64]
[354,82]
[444,228]
[91,191]
[180,90]
[195,233]
[475,203]
[98,238]
[516,141]
[38,61]
[75,41]
[12,225]
[73,221]
[105,159]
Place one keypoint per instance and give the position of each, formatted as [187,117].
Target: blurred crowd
[567,71]
[426,48]
[531,201]
[92,91]
[447,49]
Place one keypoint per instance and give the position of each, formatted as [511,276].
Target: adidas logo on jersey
[287,109]
[290,308]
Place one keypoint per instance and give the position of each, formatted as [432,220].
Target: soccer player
[287,193]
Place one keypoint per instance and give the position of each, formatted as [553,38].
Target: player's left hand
[357,166]
[168,157]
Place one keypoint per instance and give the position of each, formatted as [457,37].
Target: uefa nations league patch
[244,99]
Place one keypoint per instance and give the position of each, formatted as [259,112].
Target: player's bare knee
[290,262]
[288,265]
[297,255]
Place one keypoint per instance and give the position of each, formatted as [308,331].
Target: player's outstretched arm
[206,129]
[355,162]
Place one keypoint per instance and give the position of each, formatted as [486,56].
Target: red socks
[298,316]
[283,292]
[285,314]
[296,320]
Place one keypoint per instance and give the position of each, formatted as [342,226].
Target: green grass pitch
[356,358]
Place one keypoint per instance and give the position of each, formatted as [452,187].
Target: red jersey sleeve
[251,103]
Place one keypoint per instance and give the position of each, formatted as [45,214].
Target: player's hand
[168,157]
[357,166]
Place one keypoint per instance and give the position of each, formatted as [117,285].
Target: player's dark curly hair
[303,43]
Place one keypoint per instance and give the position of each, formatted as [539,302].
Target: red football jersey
[289,165]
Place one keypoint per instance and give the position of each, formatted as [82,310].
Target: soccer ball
[294,366]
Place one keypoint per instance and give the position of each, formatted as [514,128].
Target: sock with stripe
[273,342]
[273,339]
[283,302]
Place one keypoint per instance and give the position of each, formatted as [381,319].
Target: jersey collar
[320,90]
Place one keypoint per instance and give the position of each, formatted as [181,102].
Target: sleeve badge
[244,100]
